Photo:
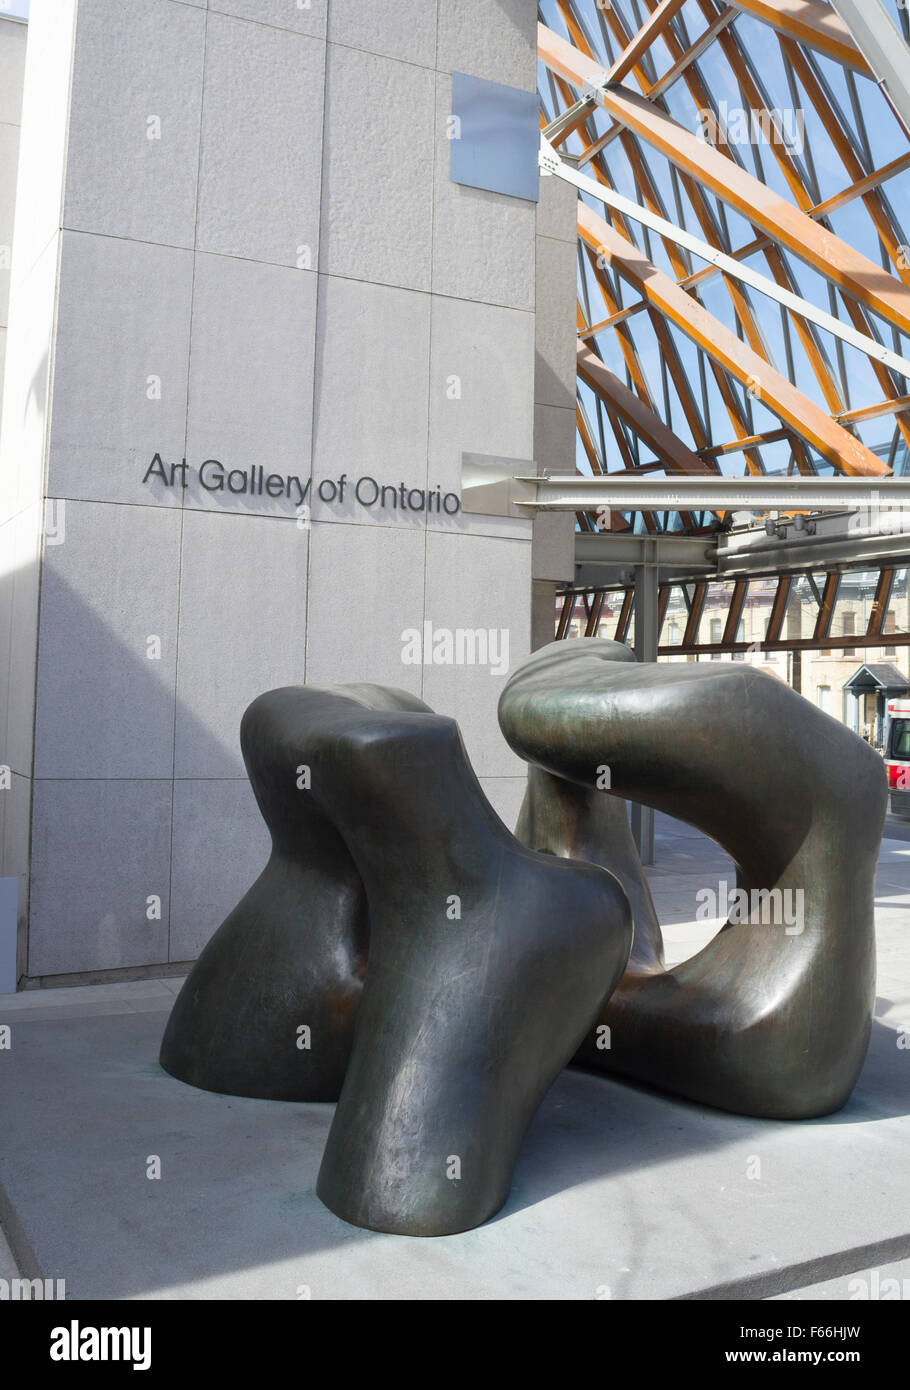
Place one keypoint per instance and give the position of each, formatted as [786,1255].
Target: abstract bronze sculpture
[488,964]
[770,1019]
[292,955]
[404,954]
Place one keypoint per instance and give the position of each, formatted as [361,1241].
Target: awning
[879,676]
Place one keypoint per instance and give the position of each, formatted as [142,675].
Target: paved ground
[619,1192]
[897,827]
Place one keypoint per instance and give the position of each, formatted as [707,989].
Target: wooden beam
[625,614]
[735,611]
[643,40]
[793,644]
[874,412]
[594,615]
[699,277]
[778,610]
[565,616]
[668,447]
[808,421]
[826,607]
[696,608]
[879,607]
[812,23]
[760,204]
[752,441]
[663,599]
[691,55]
[861,186]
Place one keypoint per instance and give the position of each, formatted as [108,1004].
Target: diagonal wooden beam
[691,55]
[625,613]
[778,609]
[735,446]
[586,440]
[826,607]
[879,610]
[863,185]
[753,102]
[626,341]
[842,143]
[597,605]
[874,412]
[742,253]
[696,608]
[643,40]
[754,462]
[812,23]
[735,611]
[808,421]
[759,204]
[668,447]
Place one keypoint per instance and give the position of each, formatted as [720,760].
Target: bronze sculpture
[268,1009]
[770,1019]
[487,962]
[404,954]
[487,966]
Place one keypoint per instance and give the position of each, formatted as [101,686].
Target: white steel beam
[550,163]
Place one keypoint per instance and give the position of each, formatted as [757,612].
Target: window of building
[890,626]
[849,630]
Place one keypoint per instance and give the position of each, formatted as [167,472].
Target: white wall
[285,277]
[12,72]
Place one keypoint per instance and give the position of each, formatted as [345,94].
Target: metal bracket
[592,87]
[493,486]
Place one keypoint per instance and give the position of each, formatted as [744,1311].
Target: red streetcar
[897,756]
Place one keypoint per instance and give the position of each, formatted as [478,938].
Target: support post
[646,635]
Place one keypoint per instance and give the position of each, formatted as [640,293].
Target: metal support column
[646,636]
[882,45]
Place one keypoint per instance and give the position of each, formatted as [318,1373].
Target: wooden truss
[613,73]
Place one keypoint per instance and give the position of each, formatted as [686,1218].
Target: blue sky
[879,140]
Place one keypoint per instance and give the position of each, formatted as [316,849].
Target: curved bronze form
[559,817]
[292,955]
[771,1018]
[487,965]
[487,962]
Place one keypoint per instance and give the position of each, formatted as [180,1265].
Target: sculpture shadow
[593,1126]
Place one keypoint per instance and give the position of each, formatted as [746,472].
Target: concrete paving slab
[22,1017]
[619,1192]
[120,991]
[8,1267]
[883,1283]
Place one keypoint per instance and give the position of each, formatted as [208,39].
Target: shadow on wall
[130,865]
